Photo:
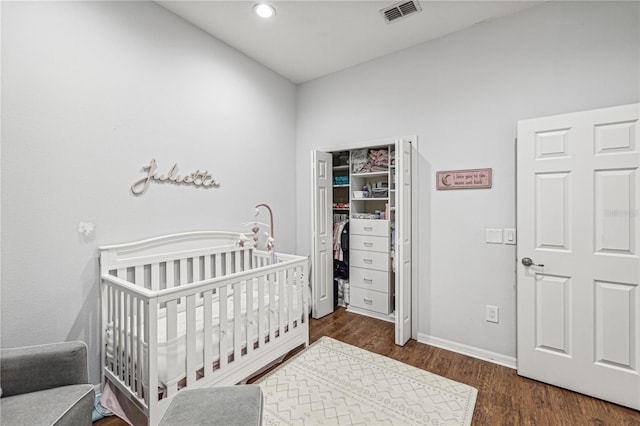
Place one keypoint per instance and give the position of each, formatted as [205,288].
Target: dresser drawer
[369,279]
[369,259]
[369,227]
[370,300]
[369,242]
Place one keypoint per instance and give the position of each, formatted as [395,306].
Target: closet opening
[362,231]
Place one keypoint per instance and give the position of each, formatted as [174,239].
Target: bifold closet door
[322,234]
[403,241]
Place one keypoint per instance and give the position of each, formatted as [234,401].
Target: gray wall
[91,92]
[462,95]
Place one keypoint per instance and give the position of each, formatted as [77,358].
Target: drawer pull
[368,228]
[368,301]
[369,261]
[367,280]
[367,244]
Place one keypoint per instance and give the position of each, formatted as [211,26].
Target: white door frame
[414,212]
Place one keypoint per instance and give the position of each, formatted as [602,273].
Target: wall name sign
[464,179]
[198,178]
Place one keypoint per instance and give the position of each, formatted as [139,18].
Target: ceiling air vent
[400,10]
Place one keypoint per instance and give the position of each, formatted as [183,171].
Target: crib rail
[223,306]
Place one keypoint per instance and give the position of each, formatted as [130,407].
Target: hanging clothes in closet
[340,246]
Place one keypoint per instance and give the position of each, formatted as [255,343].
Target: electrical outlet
[492,313]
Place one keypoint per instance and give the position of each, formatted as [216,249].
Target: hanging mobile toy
[255,230]
[269,244]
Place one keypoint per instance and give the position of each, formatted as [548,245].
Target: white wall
[91,92]
[462,96]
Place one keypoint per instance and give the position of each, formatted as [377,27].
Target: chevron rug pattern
[332,383]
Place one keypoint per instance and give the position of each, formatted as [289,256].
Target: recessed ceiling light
[264,10]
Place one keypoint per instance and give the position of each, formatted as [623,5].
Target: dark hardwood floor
[504,398]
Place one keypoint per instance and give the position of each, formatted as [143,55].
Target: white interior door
[578,213]
[322,234]
[403,241]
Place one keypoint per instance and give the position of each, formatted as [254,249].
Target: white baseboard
[472,351]
[372,314]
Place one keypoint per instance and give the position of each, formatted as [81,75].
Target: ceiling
[309,39]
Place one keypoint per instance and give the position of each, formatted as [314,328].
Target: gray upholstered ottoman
[226,405]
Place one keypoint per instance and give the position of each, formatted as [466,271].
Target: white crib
[171,305]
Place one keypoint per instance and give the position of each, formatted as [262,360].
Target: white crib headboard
[158,249]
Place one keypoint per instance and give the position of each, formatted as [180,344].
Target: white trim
[472,351]
[388,318]
[97,388]
[415,294]
[364,144]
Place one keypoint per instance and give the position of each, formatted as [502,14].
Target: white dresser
[369,265]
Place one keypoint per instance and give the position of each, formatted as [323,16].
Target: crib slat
[140,365]
[227,259]
[304,282]
[151,368]
[262,321]
[138,276]
[112,315]
[132,341]
[237,321]
[199,274]
[207,267]
[172,309]
[222,300]
[155,276]
[281,302]
[208,344]
[238,264]
[138,279]
[191,339]
[218,260]
[250,317]
[126,349]
[247,260]
[290,295]
[116,333]
[183,272]
[272,306]
[171,274]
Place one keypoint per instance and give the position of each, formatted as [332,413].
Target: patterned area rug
[332,383]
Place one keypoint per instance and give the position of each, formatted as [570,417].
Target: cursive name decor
[198,178]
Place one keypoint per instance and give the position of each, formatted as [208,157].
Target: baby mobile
[269,243]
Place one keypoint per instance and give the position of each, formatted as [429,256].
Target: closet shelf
[370,174]
[341,186]
[370,199]
[344,167]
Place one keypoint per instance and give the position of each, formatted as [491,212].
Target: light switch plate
[509,236]
[494,236]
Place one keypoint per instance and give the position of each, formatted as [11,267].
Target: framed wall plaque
[464,179]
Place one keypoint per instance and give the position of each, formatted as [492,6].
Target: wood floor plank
[504,398]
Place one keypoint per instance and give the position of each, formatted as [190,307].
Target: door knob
[526,261]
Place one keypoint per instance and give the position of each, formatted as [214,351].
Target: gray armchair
[45,385]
